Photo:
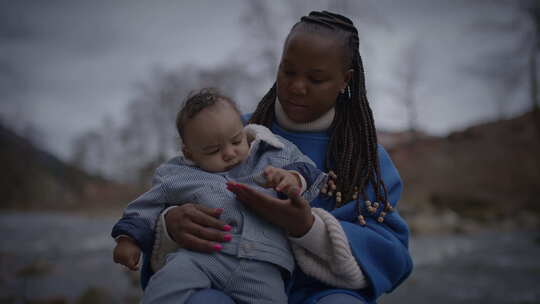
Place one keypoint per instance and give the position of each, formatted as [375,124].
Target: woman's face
[311,75]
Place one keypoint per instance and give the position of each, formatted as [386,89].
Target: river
[59,258]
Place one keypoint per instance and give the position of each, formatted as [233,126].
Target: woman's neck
[320,124]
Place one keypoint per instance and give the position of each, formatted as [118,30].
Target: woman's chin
[299,117]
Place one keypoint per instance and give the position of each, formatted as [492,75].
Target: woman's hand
[196,227]
[293,214]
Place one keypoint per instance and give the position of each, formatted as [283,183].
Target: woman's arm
[324,253]
[320,245]
[195,227]
[292,214]
[380,249]
[187,226]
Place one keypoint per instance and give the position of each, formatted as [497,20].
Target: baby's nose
[228,154]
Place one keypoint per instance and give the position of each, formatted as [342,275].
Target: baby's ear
[186,152]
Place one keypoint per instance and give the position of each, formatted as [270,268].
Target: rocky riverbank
[61,258]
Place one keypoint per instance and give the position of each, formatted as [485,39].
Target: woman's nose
[298,87]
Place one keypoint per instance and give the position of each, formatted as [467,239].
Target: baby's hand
[280,179]
[127,253]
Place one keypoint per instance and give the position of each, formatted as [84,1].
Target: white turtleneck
[320,124]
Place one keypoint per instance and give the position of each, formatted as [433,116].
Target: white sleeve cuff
[164,224]
[163,243]
[315,240]
[324,253]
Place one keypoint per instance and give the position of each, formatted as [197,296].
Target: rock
[94,295]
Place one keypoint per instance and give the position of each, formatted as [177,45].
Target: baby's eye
[236,143]
[212,152]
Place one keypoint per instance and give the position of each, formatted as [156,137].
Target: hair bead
[362,220]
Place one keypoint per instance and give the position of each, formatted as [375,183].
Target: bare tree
[516,64]
[267,24]
[506,75]
[88,151]
[260,23]
[363,13]
[408,73]
[131,151]
[534,15]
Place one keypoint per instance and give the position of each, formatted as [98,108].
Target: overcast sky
[64,65]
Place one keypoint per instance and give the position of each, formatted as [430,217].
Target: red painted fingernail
[227,228]
[227,237]
[217,247]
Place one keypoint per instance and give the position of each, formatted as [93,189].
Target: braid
[264,114]
[352,151]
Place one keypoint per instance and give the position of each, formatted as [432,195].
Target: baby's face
[215,139]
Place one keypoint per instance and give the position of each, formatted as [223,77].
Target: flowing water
[58,257]
[487,267]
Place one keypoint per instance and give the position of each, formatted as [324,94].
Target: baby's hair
[197,101]
[352,152]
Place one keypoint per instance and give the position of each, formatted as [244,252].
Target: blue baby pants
[244,280]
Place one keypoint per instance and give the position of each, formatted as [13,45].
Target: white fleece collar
[261,133]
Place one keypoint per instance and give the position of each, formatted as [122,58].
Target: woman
[353,234]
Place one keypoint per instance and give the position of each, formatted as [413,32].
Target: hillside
[33,179]
[488,174]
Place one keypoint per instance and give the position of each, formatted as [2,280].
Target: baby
[217,150]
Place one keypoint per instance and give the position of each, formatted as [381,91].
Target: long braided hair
[352,152]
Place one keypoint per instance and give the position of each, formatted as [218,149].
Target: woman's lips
[294,104]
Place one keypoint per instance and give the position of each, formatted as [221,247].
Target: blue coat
[381,250]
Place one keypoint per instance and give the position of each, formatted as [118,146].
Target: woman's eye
[288,72]
[316,80]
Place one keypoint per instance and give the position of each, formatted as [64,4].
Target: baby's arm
[282,180]
[127,253]
[139,217]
